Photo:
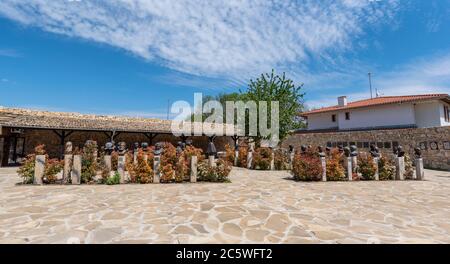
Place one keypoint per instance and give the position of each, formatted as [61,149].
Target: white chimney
[342,101]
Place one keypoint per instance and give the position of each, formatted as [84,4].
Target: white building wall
[378,116]
[428,114]
[322,121]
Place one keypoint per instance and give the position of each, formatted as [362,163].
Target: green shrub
[26,171]
[113,180]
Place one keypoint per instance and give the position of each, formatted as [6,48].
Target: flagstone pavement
[257,207]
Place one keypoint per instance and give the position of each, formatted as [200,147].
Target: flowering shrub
[167,173]
[366,167]
[187,154]
[281,159]
[230,154]
[26,171]
[89,162]
[219,173]
[52,167]
[335,170]
[181,169]
[386,169]
[143,173]
[306,167]
[262,158]
[242,158]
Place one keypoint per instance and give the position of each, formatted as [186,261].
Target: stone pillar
[156,169]
[76,170]
[2,146]
[135,155]
[349,169]
[211,161]
[272,162]
[194,161]
[39,169]
[68,158]
[323,162]
[420,173]
[145,157]
[377,171]
[354,163]
[121,168]
[236,158]
[249,159]
[291,160]
[400,168]
[108,162]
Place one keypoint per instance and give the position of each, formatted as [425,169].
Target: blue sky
[129,57]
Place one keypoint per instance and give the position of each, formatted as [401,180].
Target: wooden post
[76,170]
[377,170]
[400,168]
[194,161]
[121,168]
[39,169]
[420,173]
[156,169]
[249,159]
[323,162]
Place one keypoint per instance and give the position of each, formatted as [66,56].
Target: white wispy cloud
[420,76]
[9,52]
[230,38]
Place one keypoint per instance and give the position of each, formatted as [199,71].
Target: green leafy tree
[272,87]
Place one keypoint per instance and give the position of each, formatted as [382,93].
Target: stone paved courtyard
[258,207]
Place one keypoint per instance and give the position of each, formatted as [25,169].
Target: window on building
[446,113]
[347,116]
[333,118]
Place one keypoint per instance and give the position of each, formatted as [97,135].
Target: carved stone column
[323,162]
[39,169]
[194,161]
[76,170]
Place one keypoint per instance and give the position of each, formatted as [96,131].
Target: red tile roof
[380,101]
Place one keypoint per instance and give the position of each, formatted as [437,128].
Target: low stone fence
[73,167]
[434,142]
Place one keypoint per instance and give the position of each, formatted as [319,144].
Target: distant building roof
[25,118]
[380,101]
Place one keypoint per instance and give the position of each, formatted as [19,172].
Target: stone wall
[53,143]
[435,142]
